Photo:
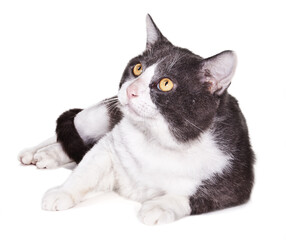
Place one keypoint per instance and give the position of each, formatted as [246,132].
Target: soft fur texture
[181,152]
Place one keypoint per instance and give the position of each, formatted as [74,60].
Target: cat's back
[230,129]
[230,132]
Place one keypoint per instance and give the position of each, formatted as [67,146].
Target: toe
[26,157]
[57,200]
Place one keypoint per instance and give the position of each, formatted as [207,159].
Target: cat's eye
[138,69]
[165,85]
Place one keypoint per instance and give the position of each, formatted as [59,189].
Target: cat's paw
[26,157]
[57,200]
[51,156]
[45,160]
[152,214]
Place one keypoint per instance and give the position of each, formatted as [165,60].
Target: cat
[172,139]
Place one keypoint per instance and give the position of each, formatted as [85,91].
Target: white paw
[152,214]
[57,200]
[51,156]
[45,160]
[26,157]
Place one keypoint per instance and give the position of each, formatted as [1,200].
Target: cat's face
[173,83]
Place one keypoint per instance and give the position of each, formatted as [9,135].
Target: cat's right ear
[153,33]
[218,71]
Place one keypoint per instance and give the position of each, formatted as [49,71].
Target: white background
[56,55]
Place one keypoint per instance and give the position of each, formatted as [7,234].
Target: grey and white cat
[172,139]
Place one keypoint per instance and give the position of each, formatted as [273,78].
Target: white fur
[52,156]
[164,209]
[93,172]
[92,123]
[48,154]
[56,199]
[26,156]
[178,170]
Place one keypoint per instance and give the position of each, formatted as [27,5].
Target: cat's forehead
[170,59]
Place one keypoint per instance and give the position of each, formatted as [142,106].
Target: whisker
[191,123]
[113,106]
[110,100]
[176,59]
[194,125]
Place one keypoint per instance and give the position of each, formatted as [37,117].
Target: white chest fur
[145,168]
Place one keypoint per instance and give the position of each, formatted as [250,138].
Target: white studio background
[56,55]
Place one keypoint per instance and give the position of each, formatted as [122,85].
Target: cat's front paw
[152,214]
[56,200]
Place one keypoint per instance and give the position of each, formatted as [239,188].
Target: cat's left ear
[218,71]
[153,33]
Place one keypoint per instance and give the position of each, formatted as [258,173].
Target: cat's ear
[153,32]
[218,71]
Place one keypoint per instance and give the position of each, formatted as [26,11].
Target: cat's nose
[132,91]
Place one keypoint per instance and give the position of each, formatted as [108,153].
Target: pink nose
[132,91]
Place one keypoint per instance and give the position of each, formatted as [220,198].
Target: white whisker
[193,125]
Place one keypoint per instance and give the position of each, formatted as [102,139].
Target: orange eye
[165,85]
[137,70]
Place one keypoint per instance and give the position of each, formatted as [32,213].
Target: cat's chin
[132,113]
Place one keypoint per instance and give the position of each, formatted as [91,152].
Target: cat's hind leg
[48,154]
[52,156]
[26,156]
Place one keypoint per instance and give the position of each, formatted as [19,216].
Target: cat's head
[174,84]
